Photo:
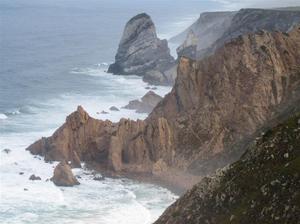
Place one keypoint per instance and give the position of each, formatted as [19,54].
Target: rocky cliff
[203,33]
[252,20]
[213,29]
[261,187]
[142,53]
[214,108]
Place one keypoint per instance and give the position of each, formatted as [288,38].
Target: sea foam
[3,116]
[110,201]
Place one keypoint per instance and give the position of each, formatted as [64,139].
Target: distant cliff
[261,187]
[213,29]
[215,107]
[142,53]
[205,31]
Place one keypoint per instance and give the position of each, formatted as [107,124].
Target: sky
[237,4]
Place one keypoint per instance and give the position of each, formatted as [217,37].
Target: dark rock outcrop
[7,151]
[34,177]
[142,53]
[63,175]
[214,109]
[113,108]
[261,187]
[147,103]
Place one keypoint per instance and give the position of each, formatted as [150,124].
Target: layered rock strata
[203,33]
[214,108]
[142,53]
[213,29]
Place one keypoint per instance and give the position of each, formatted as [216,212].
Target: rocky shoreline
[208,120]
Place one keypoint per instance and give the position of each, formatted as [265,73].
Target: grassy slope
[262,187]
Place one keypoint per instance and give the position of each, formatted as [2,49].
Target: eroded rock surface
[63,175]
[213,29]
[213,110]
[142,53]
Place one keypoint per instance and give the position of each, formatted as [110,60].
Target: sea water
[54,56]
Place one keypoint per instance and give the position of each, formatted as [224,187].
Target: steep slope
[214,108]
[141,51]
[247,21]
[205,31]
[213,29]
[262,187]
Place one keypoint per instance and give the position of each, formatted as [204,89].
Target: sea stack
[141,52]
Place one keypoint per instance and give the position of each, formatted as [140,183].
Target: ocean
[53,57]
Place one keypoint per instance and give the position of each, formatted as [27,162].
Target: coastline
[176,181]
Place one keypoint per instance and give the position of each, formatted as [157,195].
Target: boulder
[63,175]
[113,108]
[146,104]
[33,177]
[140,50]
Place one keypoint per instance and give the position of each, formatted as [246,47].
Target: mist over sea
[53,57]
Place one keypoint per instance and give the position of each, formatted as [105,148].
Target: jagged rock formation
[262,187]
[213,29]
[146,104]
[63,175]
[214,108]
[142,53]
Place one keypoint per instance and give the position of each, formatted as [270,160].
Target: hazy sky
[237,4]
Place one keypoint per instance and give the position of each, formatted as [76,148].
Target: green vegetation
[262,187]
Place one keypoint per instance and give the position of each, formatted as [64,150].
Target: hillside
[261,187]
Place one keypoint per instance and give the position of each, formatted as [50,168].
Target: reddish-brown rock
[63,175]
[215,106]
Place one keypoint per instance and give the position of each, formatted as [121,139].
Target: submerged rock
[113,108]
[33,177]
[140,50]
[98,178]
[147,103]
[63,175]
[7,151]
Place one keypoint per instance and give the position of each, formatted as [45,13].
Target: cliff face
[247,21]
[213,29]
[261,187]
[215,105]
[204,32]
[141,52]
